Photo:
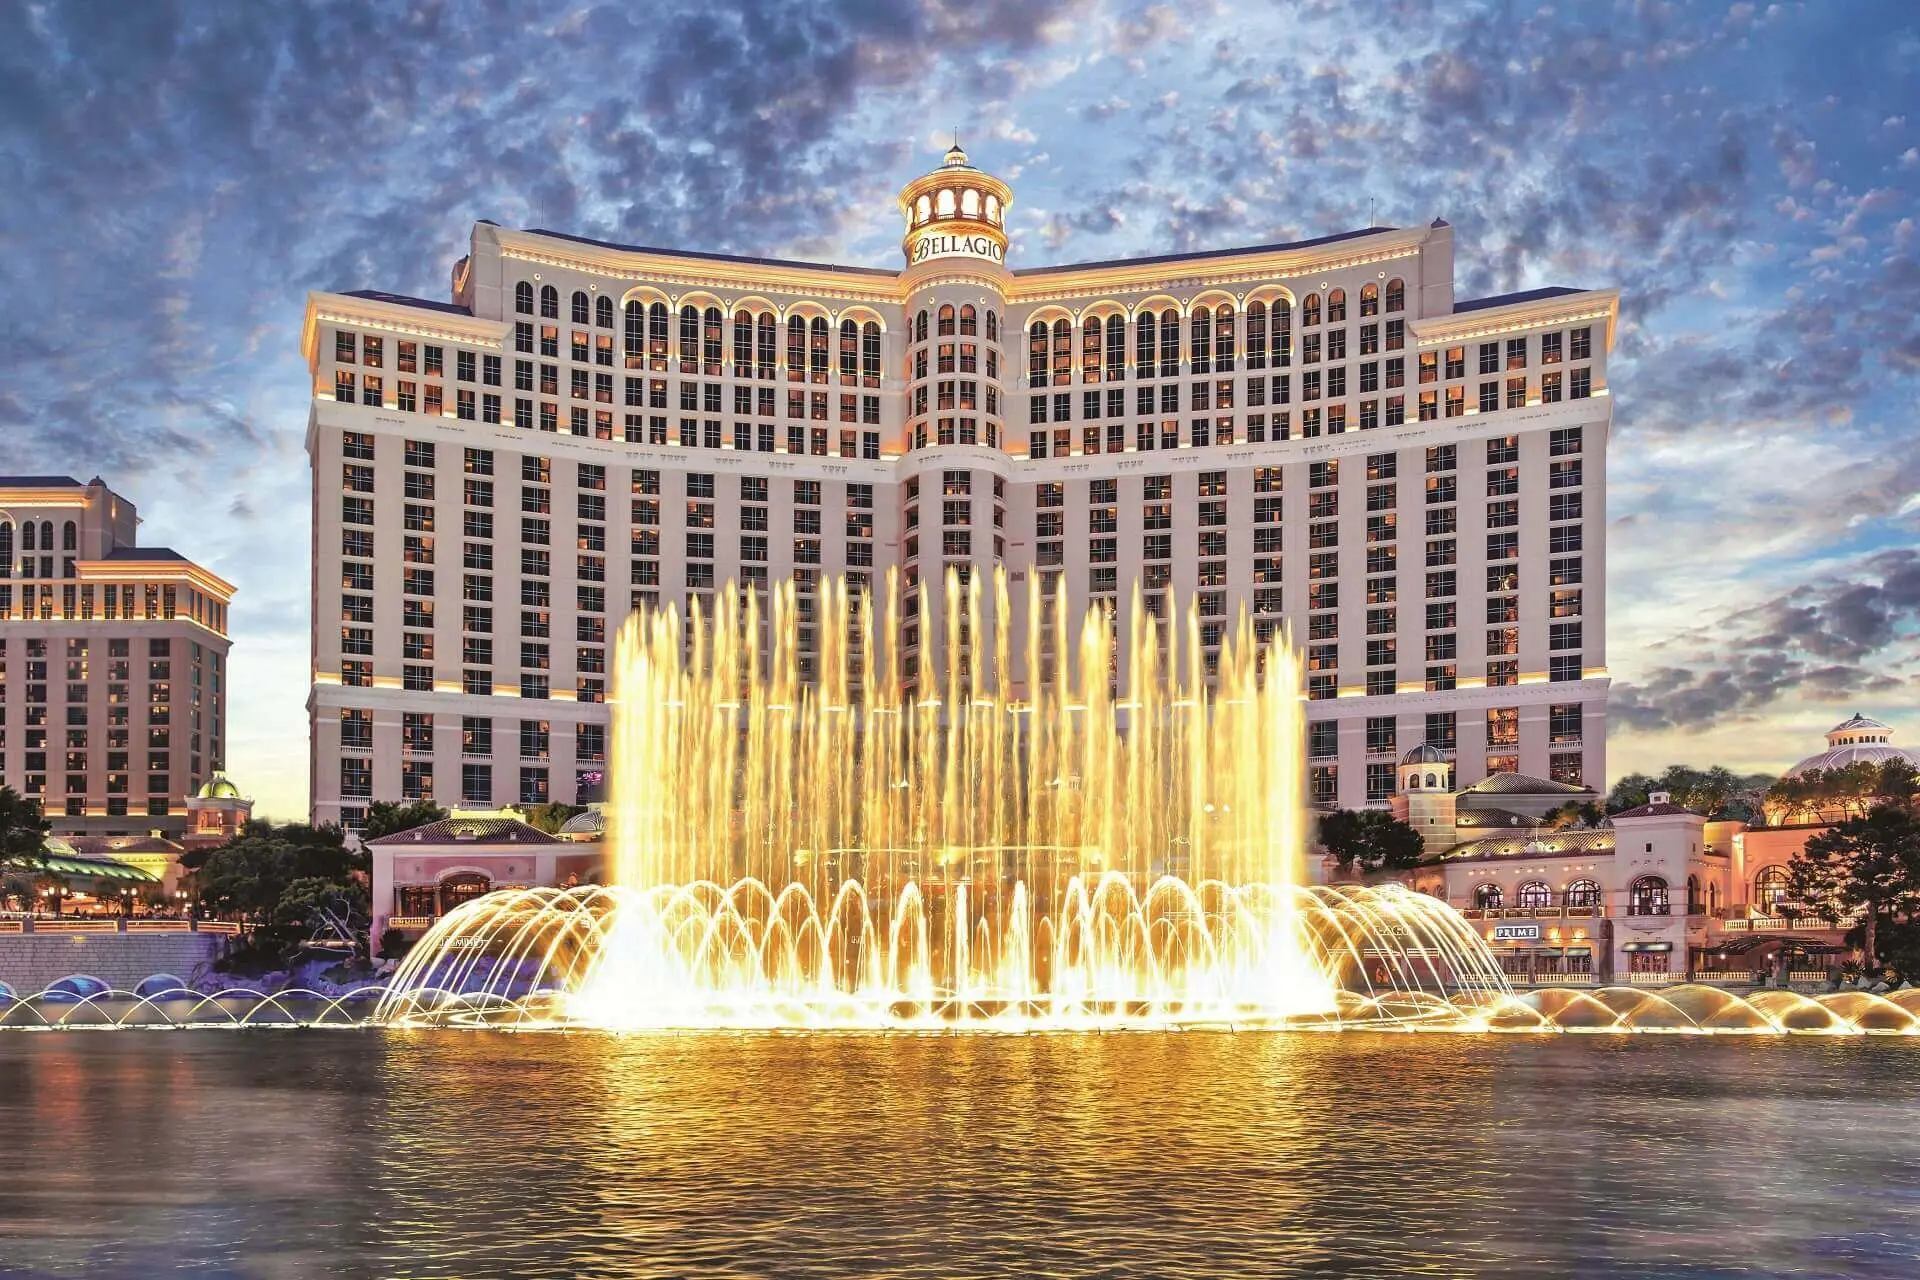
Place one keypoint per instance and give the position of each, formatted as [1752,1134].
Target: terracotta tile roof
[1660,810]
[1545,844]
[1519,784]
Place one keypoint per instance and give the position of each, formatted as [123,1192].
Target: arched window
[1336,306]
[657,336]
[1770,889]
[1037,354]
[1223,339]
[943,202]
[1116,348]
[817,365]
[849,353]
[743,344]
[603,311]
[711,341]
[1062,353]
[582,307]
[870,355]
[993,326]
[6,547]
[636,337]
[1694,903]
[523,298]
[1092,345]
[1310,311]
[1581,893]
[1534,893]
[689,339]
[26,537]
[969,321]
[1169,343]
[1396,295]
[549,302]
[766,345]
[1257,335]
[922,209]
[946,320]
[1713,898]
[920,326]
[796,348]
[1487,897]
[1369,300]
[1281,339]
[70,537]
[1648,897]
[461,887]
[1200,341]
[1143,330]
[993,208]
[970,203]
[1433,780]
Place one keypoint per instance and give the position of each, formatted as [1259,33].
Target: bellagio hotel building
[1316,432]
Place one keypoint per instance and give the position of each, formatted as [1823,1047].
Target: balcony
[1654,979]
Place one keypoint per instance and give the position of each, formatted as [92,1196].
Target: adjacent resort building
[1318,433]
[113,666]
[1655,895]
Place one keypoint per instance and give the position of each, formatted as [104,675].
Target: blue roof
[1210,253]
[144,553]
[403,300]
[40,482]
[1509,299]
[714,257]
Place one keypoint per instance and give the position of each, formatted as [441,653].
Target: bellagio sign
[951,246]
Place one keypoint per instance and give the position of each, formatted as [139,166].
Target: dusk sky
[179,175]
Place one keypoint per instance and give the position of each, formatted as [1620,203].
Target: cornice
[156,571]
[1213,271]
[392,317]
[1567,308]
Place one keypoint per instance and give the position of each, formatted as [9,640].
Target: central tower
[956,211]
[955,478]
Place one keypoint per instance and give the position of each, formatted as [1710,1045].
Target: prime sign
[950,246]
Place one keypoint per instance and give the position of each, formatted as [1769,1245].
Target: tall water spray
[851,833]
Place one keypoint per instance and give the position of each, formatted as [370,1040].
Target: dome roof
[1425,753]
[1857,739]
[956,158]
[218,787]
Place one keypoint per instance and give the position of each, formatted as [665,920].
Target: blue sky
[178,175]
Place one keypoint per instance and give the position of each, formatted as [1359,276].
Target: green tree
[1583,813]
[23,833]
[385,818]
[1716,791]
[270,877]
[1371,840]
[552,816]
[1869,864]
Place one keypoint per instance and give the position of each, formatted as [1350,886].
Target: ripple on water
[437,1154]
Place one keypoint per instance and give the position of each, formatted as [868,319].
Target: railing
[71,925]
[1724,977]
[410,922]
[116,924]
[1532,913]
[1652,979]
[1809,975]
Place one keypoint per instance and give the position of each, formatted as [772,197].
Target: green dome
[218,787]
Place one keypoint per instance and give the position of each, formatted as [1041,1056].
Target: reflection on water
[346,1153]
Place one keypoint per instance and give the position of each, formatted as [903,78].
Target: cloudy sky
[179,175]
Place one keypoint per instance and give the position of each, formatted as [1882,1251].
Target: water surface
[282,1154]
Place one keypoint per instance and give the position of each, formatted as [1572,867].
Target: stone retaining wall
[30,962]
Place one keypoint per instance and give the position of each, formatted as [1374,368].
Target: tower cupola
[957,211]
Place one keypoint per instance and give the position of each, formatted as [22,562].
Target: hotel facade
[1317,433]
[113,663]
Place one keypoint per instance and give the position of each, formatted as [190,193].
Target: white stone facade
[1415,486]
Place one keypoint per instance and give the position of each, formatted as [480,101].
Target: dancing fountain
[896,845]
